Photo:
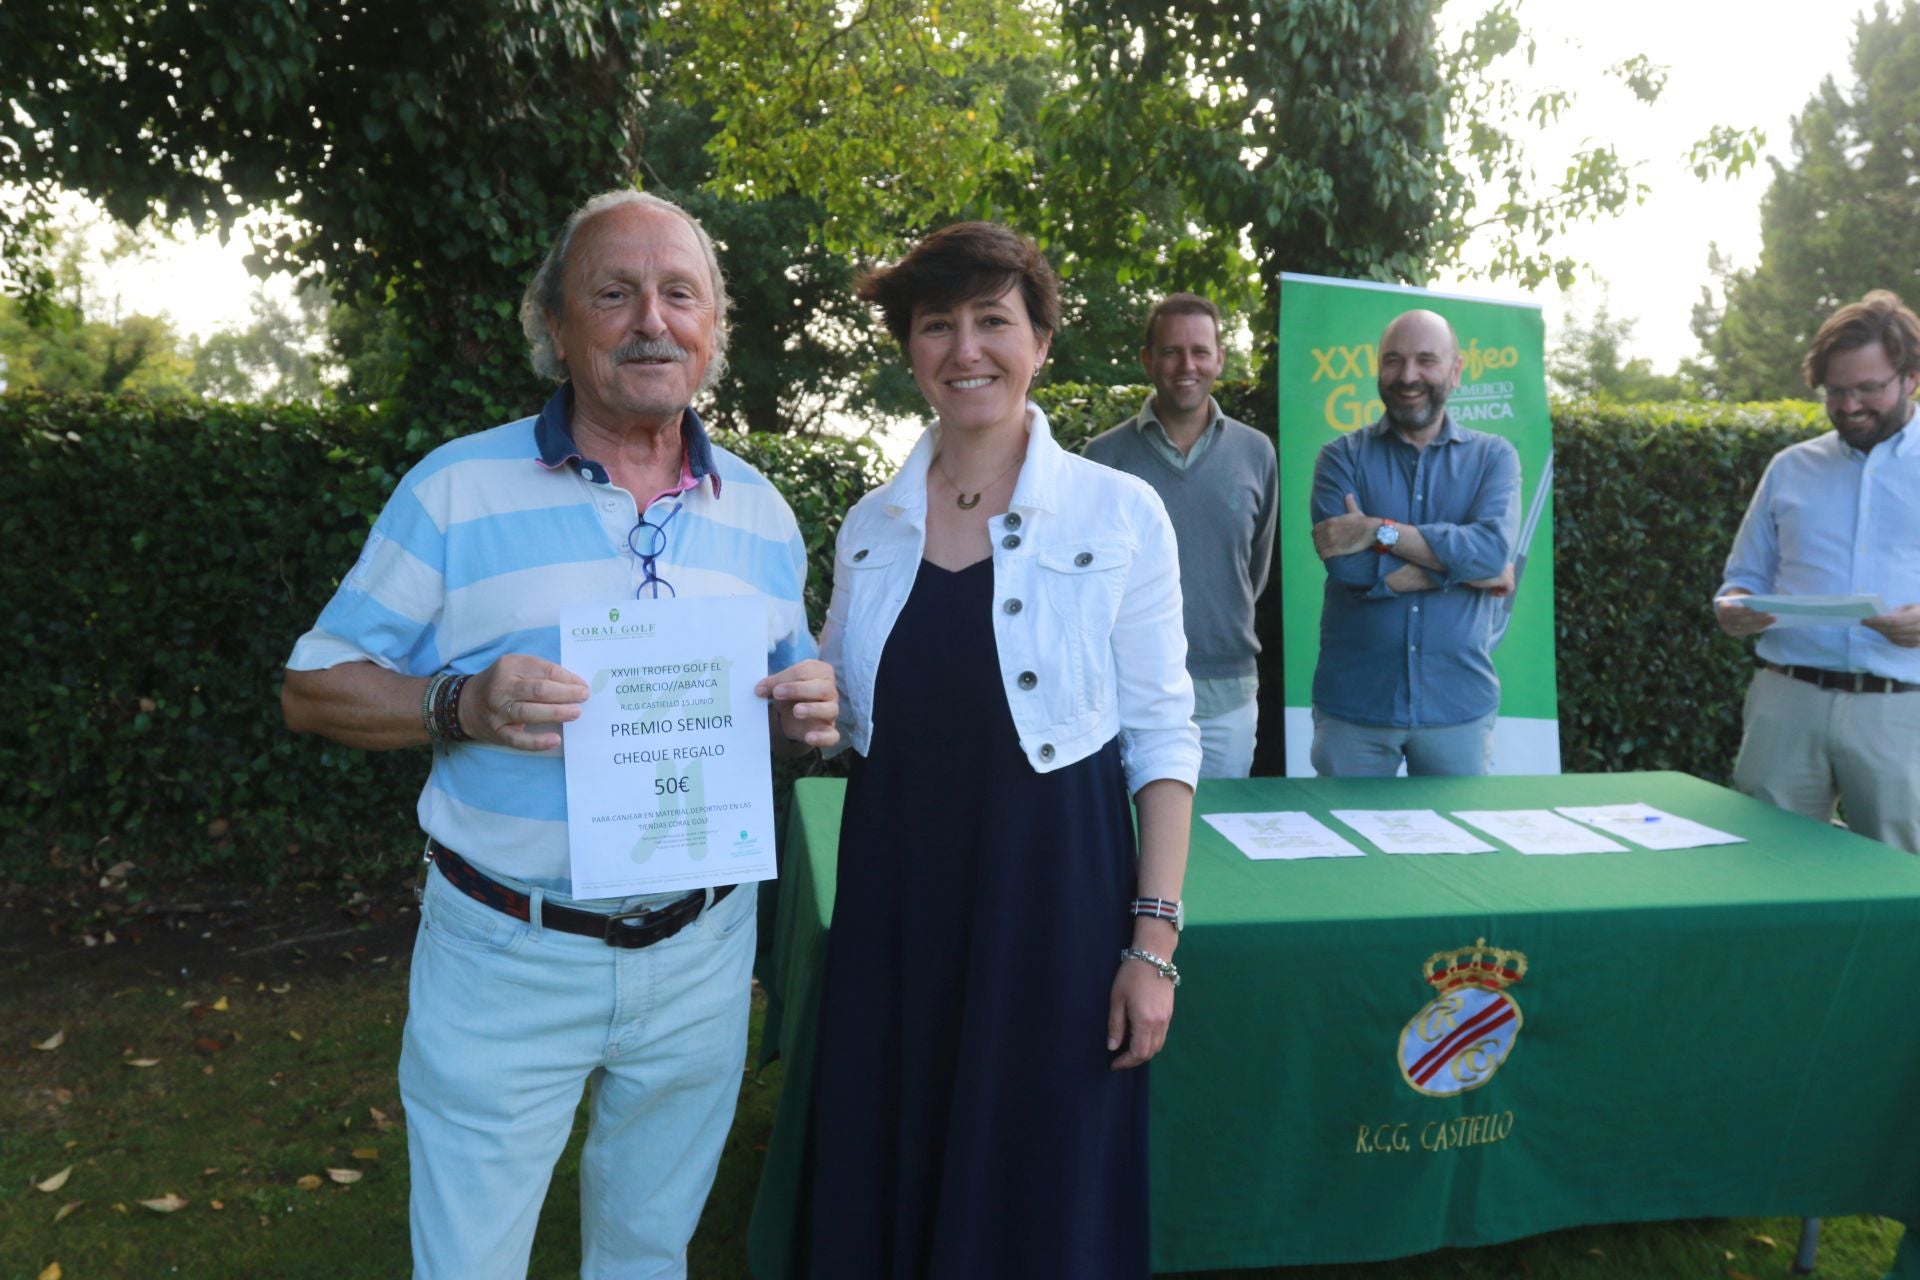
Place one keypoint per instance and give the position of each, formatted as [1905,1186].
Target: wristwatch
[1386,537]
[1160,909]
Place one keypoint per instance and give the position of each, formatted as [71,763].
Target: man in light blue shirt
[1416,519]
[1834,711]
[446,632]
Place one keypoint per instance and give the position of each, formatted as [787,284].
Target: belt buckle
[626,936]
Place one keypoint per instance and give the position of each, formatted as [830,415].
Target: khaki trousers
[1805,747]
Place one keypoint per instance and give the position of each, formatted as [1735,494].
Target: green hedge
[1647,499]
[164,558]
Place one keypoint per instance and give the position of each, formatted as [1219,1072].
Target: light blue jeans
[507,1022]
[1343,749]
[1227,740]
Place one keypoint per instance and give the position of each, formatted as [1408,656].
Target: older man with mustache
[1415,518]
[446,634]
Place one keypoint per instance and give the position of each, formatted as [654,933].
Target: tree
[1841,218]
[76,337]
[58,349]
[418,157]
[274,358]
[1588,361]
[1171,145]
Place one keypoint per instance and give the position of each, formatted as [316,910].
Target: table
[1711,1032]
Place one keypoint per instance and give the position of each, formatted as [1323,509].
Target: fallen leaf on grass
[168,1203]
[1596,1253]
[143,1062]
[219,1006]
[308,1182]
[66,1210]
[345,1175]
[366,1153]
[1737,1275]
[1766,1241]
[296,1035]
[48,1045]
[205,1045]
[282,989]
[56,1182]
[52,1272]
[381,1123]
[216,1205]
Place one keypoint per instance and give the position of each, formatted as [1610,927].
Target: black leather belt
[629,930]
[1845,681]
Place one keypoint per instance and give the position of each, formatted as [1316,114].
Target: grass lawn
[240,1077]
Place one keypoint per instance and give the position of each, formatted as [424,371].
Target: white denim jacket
[1086,609]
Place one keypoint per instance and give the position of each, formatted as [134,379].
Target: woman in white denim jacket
[1006,631]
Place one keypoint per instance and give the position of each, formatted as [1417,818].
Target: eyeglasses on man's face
[1864,392]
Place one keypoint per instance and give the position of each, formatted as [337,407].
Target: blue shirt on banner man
[1415,519]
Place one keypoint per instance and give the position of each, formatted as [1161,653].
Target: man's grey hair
[547,292]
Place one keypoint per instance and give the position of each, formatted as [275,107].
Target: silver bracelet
[1162,966]
[427,700]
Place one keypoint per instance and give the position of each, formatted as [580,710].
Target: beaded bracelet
[456,731]
[1163,966]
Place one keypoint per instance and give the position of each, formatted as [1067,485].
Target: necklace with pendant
[968,501]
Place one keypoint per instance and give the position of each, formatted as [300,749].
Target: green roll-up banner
[1329,386]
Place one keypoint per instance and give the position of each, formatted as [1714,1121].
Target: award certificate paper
[1288,836]
[1649,827]
[1411,831]
[669,782]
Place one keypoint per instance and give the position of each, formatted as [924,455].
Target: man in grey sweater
[1220,483]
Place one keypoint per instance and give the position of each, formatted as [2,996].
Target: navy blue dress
[967,1122]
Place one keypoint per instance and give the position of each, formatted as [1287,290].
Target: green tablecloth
[1708,1032]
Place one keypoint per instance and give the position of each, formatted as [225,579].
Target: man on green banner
[1416,520]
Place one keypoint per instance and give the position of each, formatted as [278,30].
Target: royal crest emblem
[1467,1030]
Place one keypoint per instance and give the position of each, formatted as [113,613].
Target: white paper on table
[1650,827]
[1412,831]
[1812,611]
[669,781]
[1538,831]
[1282,835]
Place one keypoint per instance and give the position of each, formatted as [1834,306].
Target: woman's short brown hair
[1879,317]
[957,264]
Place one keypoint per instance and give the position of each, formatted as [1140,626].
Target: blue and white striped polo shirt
[476,552]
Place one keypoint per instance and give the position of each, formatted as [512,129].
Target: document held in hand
[669,781]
